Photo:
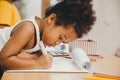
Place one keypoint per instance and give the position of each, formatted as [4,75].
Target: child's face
[54,35]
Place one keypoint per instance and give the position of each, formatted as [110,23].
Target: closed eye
[60,37]
[63,39]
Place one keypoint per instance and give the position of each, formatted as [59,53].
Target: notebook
[60,64]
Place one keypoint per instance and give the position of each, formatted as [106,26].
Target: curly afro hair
[78,13]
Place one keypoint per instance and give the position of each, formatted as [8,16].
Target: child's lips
[50,45]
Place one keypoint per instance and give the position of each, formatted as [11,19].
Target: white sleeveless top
[5,35]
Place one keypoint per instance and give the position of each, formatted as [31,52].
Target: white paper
[59,64]
[79,63]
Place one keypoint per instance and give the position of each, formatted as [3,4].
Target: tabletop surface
[107,64]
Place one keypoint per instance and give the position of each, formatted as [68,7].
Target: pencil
[42,47]
[97,78]
[106,76]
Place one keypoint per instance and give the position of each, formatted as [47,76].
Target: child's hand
[45,61]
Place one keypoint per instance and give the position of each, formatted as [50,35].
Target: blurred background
[106,31]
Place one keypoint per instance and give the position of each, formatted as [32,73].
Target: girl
[64,22]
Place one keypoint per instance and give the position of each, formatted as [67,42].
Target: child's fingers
[45,61]
[48,57]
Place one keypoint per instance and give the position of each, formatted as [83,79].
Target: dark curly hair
[78,13]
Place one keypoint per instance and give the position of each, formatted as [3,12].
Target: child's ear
[52,18]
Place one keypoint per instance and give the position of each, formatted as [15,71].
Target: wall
[33,8]
[106,31]
[30,8]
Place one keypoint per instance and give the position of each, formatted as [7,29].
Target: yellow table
[109,64]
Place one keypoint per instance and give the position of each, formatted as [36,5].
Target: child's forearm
[26,61]
[16,62]
[20,62]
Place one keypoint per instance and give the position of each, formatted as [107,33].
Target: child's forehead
[70,29]
[70,33]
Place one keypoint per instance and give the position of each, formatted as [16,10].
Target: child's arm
[43,60]
[16,62]
[9,55]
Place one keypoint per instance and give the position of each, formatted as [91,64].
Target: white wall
[106,31]
[53,2]
[31,8]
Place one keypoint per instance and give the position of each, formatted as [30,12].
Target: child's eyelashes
[62,39]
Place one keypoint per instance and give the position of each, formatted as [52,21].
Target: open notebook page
[59,64]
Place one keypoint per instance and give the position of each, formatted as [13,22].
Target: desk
[108,65]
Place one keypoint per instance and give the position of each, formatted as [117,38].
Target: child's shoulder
[27,24]
[24,27]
